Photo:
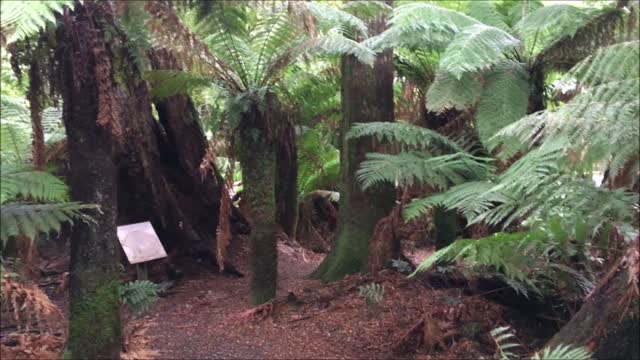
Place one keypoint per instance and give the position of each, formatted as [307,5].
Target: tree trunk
[536,98]
[94,320]
[35,98]
[446,226]
[607,324]
[287,181]
[257,158]
[367,96]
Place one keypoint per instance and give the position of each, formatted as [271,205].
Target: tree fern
[504,100]
[475,48]
[449,92]
[20,181]
[409,168]
[21,19]
[30,219]
[411,136]
[487,13]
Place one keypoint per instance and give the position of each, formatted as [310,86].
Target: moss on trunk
[258,161]
[367,96]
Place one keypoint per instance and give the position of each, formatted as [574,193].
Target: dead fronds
[29,308]
[136,342]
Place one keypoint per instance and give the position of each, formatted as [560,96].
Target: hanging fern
[21,19]
[409,168]
[504,100]
[413,137]
[30,219]
[476,48]
[21,181]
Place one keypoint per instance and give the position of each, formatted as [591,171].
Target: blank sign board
[140,242]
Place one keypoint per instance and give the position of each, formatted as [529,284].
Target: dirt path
[201,320]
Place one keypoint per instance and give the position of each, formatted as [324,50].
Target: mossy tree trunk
[257,155]
[367,96]
[94,320]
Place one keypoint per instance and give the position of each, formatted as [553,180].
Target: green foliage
[21,181]
[138,295]
[563,352]
[411,136]
[476,48]
[487,12]
[504,341]
[318,163]
[21,19]
[409,168]
[504,99]
[372,293]
[449,92]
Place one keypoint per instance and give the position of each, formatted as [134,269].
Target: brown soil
[207,316]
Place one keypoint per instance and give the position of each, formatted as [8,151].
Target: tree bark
[607,324]
[257,157]
[367,96]
[287,180]
[94,321]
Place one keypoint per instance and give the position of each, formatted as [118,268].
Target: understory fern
[138,295]
[505,340]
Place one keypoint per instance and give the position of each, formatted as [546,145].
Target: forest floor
[207,316]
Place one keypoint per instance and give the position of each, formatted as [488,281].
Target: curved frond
[30,219]
[21,19]
[564,352]
[448,92]
[476,48]
[31,184]
[406,134]
[504,100]
[486,12]
[420,167]
[614,63]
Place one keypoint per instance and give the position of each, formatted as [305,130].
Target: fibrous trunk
[94,321]
[367,96]
[287,180]
[607,324]
[257,158]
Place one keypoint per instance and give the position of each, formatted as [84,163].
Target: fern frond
[30,219]
[522,9]
[419,25]
[165,83]
[476,48]
[448,92]
[337,44]
[547,24]
[406,134]
[28,183]
[139,295]
[614,63]
[367,9]
[21,19]
[563,352]
[419,167]
[504,100]
[504,341]
[331,16]
[487,13]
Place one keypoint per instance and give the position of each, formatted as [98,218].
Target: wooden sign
[140,242]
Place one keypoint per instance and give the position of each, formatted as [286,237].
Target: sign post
[140,244]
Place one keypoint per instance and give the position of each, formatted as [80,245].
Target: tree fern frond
[36,185]
[419,167]
[476,48]
[487,13]
[416,25]
[165,83]
[597,32]
[21,19]
[614,63]
[330,16]
[547,24]
[448,92]
[504,100]
[337,44]
[367,9]
[521,9]
[409,135]
[563,352]
[30,219]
